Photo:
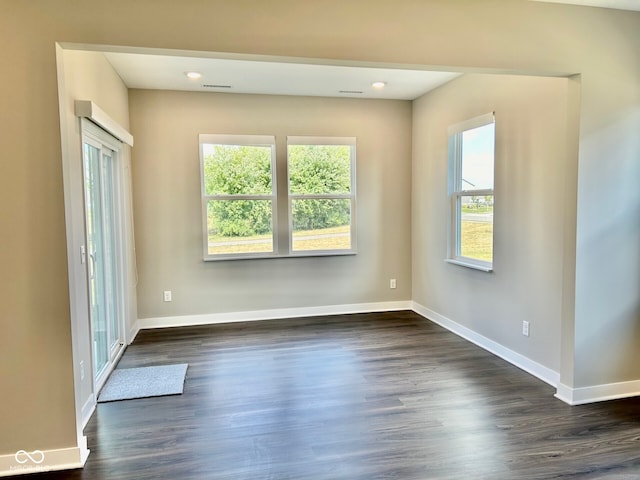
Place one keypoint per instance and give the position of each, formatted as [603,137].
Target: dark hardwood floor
[357,397]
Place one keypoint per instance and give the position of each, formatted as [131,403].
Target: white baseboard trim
[572,396]
[537,370]
[27,461]
[598,393]
[133,332]
[87,409]
[257,315]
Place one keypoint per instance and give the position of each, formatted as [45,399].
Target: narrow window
[238,195]
[471,182]
[322,197]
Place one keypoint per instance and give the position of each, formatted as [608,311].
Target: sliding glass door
[102,219]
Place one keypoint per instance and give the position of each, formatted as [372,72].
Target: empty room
[377,240]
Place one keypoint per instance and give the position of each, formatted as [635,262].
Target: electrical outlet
[525,328]
[167,296]
[392,283]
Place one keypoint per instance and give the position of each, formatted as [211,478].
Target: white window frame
[96,136]
[241,140]
[457,191]
[351,196]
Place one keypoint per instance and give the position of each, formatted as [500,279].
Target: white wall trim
[565,394]
[28,461]
[537,370]
[572,396]
[598,393]
[133,332]
[273,314]
[87,409]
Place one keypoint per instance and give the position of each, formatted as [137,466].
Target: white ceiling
[167,72]
[616,4]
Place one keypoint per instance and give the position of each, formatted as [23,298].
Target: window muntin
[471,184]
[321,184]
[238,195]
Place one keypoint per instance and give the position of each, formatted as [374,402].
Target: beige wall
[86,76]
[168,214]
[531,147]
[513,35]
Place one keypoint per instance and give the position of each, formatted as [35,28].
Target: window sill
[342,253]
[470,264]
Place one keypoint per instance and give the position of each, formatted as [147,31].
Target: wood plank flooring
[357,397]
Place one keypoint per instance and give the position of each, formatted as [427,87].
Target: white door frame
[102,140]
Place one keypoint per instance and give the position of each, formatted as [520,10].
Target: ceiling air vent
[359,92]
[208,85]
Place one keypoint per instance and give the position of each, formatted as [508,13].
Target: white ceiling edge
[154,71]
[633,5]
[104,48]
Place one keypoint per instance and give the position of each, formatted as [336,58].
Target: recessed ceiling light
[193,75]
[379,85]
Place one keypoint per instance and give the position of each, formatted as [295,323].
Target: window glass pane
[239,226]
[321,224]
[236,169]
[478,146]
[319,169]
[476,227]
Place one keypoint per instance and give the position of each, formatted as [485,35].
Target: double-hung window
[239,174]
[471,182]
[238,195]
[322,196]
